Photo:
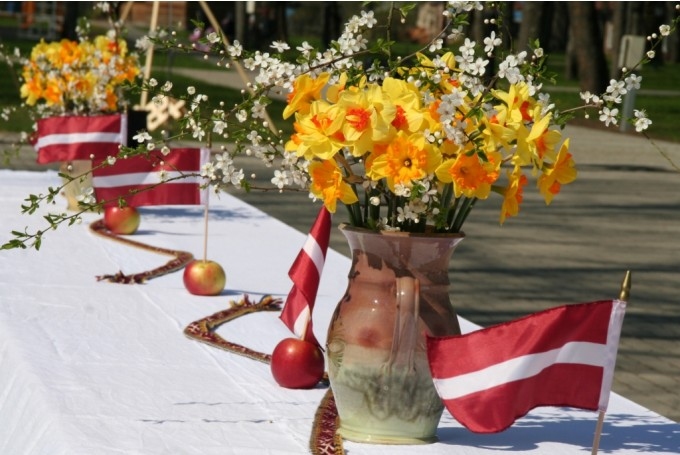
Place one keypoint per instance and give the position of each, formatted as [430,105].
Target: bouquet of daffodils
[78,77]
[422,146]
[407,143]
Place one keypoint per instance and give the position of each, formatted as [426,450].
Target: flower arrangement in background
[78,77]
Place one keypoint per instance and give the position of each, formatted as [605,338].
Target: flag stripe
[496,409]
[80,124]
[80,137]
[300,325]
[133,179]
[180,159]
[519,368]
[613,337]
[315,253]
[75,138]
[166,194]
[144,178]
[538,332]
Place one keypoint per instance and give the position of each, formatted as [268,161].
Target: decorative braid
[181,258]
[324,439]
[203,330]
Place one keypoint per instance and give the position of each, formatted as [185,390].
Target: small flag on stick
[306,274]
[563,356]
[80,137]
[153,180]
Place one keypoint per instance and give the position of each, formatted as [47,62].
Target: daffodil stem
[463,213]
[354,211]
[452,212]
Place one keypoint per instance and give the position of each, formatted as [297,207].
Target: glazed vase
[397,292]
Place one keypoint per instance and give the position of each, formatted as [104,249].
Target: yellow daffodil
[471,176]
[517,104]
[327,184]
[406,99]
[560,173]
[318,134]
[496,136]
[366,119]
[305,90]
[406,159]
[513,194]
[334,90]
[537,143]
[32,88]
[52,92]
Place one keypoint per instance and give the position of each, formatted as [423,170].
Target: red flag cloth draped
[134,178]
[306,274]
[563,356]
[80,137]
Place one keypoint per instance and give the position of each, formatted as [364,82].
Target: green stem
[452,212]
[463,214]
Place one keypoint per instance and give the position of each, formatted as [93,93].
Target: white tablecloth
[96,368]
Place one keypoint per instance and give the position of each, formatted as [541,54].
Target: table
[90,367]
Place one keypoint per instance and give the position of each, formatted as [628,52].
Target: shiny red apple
[297,364]
[121,220]
[203,277]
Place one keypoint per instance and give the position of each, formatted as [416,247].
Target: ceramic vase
[398,291]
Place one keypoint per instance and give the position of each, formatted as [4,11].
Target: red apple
[121,220]
[297,364]
[204,277]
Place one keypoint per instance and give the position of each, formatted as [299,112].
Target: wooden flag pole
[205,211]
[239,68]
[598,433]
[623,296]
[149,53]
[125,11]
[205,227]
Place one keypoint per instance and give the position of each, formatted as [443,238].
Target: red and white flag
[563,356]
[306,274]
[153,180]
[80,137]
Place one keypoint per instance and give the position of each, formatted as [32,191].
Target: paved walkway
[622,213]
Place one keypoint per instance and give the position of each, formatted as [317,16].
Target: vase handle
[405,339]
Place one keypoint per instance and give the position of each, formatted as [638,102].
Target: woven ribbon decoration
[324,439]
[181,258]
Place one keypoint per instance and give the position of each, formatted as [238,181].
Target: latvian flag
[80,137]
[306,275]
[563,356]
[156,179]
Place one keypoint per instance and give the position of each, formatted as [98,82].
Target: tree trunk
[332,26]
[536,24]
[281,22]
[672,45]
[559,30]
[586,40]
[618,26]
